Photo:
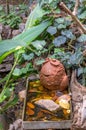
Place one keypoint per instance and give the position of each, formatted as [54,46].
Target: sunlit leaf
[64,104]
[17,72]
[39,44]
[34,16]
[7,45]
[22,40]
[65,97]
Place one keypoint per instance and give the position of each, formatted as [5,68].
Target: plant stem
[65,8]
[9,76]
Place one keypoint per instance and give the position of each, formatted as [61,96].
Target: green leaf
[61,26]
[68,34]
[82,38]
[2,57]
[21,40]
[5,94]
[7,45]
[10,104]
[76,58]
[28,57]
[60,20]
[29,35]
[16,72]
[80,71]
[40,62]
[52,30]
[39,44]
[59,41]
[1,126]
[34,16]
[83,15]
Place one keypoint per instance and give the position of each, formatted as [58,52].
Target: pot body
[53,76]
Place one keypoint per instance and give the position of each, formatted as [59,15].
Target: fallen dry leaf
[64,104]
[30,112]
[30,105]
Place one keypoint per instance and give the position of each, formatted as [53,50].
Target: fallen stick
[75,11]
[65,8]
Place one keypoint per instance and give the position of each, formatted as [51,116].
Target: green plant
[18,45]
[44,36]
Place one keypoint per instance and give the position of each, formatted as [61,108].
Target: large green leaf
[7,45]
[23,39]
[10,104]
[36,14]
[29,35]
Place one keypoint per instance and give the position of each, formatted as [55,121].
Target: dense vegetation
[49,32]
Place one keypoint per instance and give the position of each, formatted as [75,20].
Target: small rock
[5,68]
[22,95]
[21,27]
[6,32]
[15,32]
[48,104]
[25,19]
[1,28]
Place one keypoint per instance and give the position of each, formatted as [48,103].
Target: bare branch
[62,5]
[75,11]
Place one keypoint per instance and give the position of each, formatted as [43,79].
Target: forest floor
[14,114]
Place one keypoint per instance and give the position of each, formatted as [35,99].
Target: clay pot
[53,76]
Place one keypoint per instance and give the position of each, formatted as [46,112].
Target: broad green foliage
[13,19]
[22,40]
[34,16]
[7,45]
[45,36]
[23,71]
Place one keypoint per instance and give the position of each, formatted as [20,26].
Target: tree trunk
[79,103]
[7,7]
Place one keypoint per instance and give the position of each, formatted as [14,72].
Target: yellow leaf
[30,105]
[30,112]
[64,104]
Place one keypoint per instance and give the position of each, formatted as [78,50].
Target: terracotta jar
[53,76]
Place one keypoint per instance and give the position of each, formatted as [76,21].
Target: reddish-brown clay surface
[53,76]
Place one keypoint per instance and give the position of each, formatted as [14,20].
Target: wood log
[79,103]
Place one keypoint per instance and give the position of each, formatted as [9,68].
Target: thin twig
[62,5]
[9,76]
[75,11]
[84,53]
